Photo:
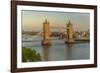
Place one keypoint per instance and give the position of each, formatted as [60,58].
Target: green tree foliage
[30,55]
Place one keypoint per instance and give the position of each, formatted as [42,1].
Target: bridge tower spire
[46,33]
[69,31]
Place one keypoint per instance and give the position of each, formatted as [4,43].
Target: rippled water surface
[59,50]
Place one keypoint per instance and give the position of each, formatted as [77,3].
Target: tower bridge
[46,32]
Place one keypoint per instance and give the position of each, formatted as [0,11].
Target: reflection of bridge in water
[46,51]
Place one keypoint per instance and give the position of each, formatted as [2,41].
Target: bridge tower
[46,33]
[69,31]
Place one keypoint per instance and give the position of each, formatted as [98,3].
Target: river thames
[58,50]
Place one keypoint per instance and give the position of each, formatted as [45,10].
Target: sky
[33,20]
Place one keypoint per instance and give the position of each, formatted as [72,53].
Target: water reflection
[46,52]
[61,51]
[70,45]
[69,51]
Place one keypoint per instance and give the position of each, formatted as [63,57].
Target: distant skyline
[33,20]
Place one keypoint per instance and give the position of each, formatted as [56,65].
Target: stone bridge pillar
[69,33]
[46,33]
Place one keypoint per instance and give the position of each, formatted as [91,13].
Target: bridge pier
[69,33]
[46,33]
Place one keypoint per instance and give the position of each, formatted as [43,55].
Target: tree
[30,55]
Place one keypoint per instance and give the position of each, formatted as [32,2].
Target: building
[69,31]
[46,33]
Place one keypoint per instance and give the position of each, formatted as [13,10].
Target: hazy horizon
[33,20]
